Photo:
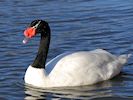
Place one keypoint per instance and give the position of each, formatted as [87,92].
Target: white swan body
[76,69]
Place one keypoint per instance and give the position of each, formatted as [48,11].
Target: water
[76,25]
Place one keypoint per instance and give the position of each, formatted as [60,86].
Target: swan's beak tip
[25,40]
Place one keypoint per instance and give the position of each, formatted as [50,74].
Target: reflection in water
[83,92]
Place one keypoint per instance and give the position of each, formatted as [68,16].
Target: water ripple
[76,25]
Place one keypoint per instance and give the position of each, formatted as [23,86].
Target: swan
[68,69]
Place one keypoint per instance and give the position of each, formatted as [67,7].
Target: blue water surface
[75,25]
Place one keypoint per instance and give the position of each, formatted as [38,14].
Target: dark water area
[76,25]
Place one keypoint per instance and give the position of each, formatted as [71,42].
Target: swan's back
[83,68]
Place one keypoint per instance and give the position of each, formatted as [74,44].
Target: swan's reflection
[83,92]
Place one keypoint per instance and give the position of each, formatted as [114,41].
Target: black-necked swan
[69,69]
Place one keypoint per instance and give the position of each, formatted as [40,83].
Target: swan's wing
[51,64]
[86,60]
[84,67]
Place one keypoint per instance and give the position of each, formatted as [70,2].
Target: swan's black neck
[41,57]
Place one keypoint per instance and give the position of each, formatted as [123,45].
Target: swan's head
[36,27]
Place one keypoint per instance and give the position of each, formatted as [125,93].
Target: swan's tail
[123,58]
